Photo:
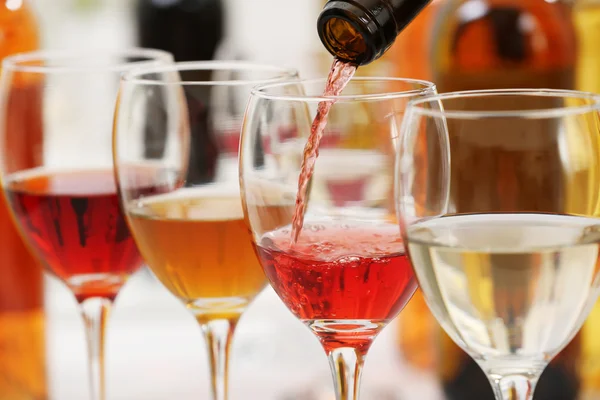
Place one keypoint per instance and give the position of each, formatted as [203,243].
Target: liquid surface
[508,286]
[196,242]
[74,222]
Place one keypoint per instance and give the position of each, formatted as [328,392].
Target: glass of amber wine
[346,276]
[193,235]
[64,197]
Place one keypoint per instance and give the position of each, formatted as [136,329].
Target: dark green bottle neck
[361,31]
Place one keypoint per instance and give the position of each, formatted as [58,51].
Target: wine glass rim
[19,62]
[427,88]
[416,105]
[136,75]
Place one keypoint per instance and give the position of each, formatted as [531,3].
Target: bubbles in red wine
[359,272]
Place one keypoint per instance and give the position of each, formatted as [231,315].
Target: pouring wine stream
[340,74]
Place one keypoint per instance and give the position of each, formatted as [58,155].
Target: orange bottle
[418,333]
[410,54]
[491,44]
[22,323]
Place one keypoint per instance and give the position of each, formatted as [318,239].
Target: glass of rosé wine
[193,235]
[64,199]
[345,276]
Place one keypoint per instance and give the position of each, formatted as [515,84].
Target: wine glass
[347,275]
[498,199]
[192,235]
[64,198]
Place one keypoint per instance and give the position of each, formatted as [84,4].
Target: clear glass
[347,275]
[177,130]
[64,196]
[497,195]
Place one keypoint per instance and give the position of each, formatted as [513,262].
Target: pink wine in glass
[339,76]
[340,277]
[73,220]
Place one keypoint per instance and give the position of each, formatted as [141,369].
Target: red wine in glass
[74,222]
[340,74]
[344,281]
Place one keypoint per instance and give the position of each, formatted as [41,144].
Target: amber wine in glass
[200,248]
[193,235]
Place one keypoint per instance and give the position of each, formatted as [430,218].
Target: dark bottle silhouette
[191,30]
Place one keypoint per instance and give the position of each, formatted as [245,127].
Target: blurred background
[154,347]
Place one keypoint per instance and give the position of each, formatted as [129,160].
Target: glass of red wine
[346,276]
[64,200]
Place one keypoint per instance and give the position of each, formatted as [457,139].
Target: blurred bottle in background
[409,55]
[22,321]
[192,30]
[492,44]
[488,44]
[586,16]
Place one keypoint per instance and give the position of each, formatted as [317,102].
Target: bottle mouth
[343,40]
[350,33]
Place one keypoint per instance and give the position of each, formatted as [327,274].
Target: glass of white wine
[498,197]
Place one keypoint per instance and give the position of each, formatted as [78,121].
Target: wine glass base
[356,333]
[101,285]
[226,308]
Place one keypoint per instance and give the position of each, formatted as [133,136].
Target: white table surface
[156,351]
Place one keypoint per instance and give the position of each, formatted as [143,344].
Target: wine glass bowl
[346,276]
[59,213]
[64,197]
[192,234]
[498,198]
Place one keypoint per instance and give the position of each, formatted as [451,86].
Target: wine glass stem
[218,334]
[346,366]
[95,313]
[513,387]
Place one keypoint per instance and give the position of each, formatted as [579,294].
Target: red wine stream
[339,76]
